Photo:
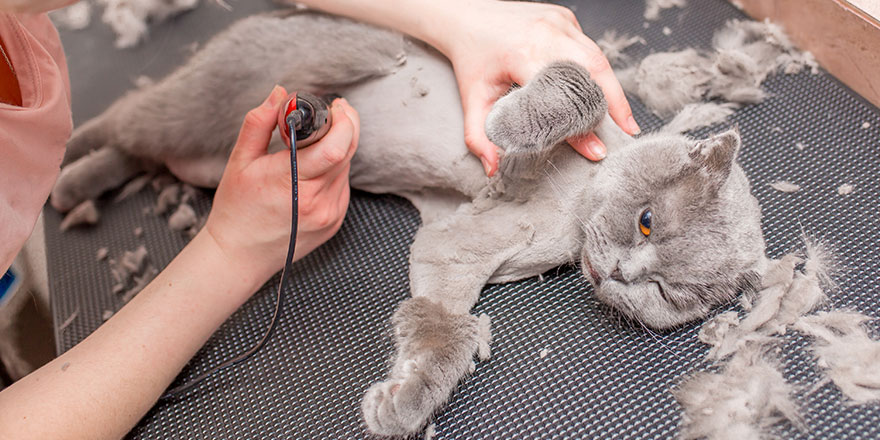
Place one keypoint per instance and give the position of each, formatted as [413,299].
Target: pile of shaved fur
[129,19]
[700,88]
[748,395]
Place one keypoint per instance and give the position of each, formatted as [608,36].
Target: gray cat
[664,228]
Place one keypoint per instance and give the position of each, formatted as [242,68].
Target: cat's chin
[640,302]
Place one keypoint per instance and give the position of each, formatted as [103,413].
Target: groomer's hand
[495,43]
[250,218]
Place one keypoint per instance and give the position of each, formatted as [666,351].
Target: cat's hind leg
[435,334]
[85,139]
[91,175]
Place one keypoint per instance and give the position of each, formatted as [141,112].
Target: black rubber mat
[599,376]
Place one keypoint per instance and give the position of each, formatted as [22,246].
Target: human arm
[100,388]
[491,45]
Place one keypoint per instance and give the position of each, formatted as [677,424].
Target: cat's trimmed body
[547,207]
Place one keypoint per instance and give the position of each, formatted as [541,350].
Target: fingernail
[596,148]
[633,127]
[485,165]
[274,98]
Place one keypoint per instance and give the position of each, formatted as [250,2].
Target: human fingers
[257,128]
[321,212]
[477,103]
[321,205]
[333,149]
[567,19]
[355,118]
[601,72]
[589,146]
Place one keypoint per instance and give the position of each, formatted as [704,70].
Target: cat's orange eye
[645,222]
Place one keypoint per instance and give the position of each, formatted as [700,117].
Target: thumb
[256,130]
[477,104]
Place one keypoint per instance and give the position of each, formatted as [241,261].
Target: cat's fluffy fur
[548,206]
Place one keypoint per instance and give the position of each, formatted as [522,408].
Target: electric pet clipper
[304,116]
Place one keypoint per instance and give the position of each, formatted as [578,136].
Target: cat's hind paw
[399,406]
[90,176]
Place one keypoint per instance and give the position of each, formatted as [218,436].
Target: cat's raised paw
[560,102]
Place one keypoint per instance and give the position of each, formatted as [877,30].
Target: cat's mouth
[595,278]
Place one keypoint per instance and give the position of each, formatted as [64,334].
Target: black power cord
[293,121]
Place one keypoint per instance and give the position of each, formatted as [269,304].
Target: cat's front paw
[399,406]
[562,101]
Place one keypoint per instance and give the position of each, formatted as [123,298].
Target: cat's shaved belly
[412,132]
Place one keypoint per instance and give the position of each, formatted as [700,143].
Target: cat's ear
[717,153]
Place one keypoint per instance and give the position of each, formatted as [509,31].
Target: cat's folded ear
[716,154]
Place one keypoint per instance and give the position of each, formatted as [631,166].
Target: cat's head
[673,230]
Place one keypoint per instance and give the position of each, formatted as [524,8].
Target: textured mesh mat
[601,376]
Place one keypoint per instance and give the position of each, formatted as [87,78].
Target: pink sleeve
[33,136]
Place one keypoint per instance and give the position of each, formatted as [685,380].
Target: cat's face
[673,230]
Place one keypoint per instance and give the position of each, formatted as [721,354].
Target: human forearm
[427,20]
[104,385]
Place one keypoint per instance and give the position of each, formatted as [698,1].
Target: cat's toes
[505,129]
[397,407]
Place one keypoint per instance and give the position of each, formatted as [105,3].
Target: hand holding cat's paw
[561,102]
[495,44]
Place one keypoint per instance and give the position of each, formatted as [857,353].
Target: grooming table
[600,376]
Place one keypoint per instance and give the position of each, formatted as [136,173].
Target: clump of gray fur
[786,294]
[184,217]
[129,18]
[131,272]
[749,394]
[697,115]
[653,7]
[614,46]
[742,401]
[845,351]
[744,54]
[86,213]
[785,186]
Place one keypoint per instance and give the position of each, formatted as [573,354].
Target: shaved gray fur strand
[547,206]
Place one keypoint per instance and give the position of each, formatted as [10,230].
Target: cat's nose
[616,275]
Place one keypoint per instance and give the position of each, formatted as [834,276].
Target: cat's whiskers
[659,339]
